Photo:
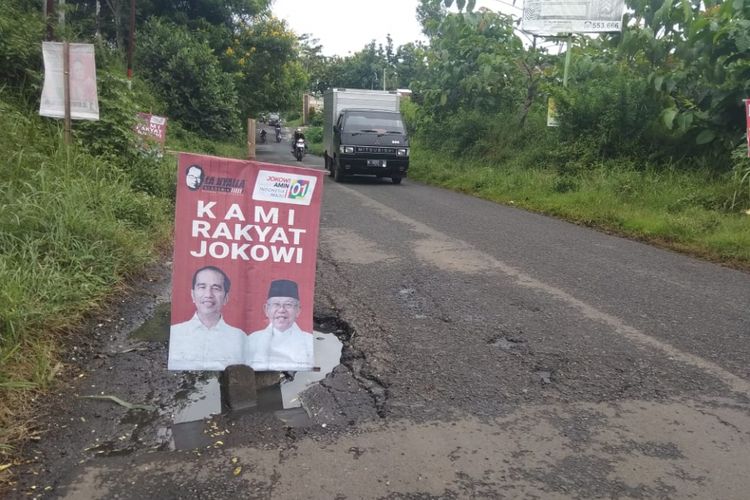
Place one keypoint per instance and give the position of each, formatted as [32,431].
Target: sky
[346,26]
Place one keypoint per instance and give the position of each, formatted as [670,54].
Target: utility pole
[567,59]
[49,11]
[131,42]
[383,78]
[98,20]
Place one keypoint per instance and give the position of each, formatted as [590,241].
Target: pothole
[507,343]
[201,398]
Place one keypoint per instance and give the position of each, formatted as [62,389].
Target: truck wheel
[329,165]
[396,179]
[338,173]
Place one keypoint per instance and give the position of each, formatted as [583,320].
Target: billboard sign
[554,17]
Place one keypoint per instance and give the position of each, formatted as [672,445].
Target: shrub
[314,134]
[740,179]
[112,135]
[614,110]
[315,117]
[21,29]
[187,75]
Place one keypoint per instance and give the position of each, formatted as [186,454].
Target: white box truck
[363,133]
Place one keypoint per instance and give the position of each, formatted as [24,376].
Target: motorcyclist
[277,129]
[263,135]
[297,136]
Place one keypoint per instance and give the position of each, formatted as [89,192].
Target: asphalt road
[489,352]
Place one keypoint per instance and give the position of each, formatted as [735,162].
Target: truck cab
[370,142]
[364,134]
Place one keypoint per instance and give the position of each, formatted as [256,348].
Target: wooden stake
[66,90]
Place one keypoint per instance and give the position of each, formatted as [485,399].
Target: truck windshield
[373,122]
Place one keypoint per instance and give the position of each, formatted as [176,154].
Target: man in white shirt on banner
[282,345]
[206,342]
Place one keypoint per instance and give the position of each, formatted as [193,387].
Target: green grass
[179,139]
[314,136]
[72,228]
[683,210]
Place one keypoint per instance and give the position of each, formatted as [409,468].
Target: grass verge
[682,210]
[72,227]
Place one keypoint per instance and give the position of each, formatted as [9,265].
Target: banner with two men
[246,235]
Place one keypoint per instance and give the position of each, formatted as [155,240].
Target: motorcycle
[263,136]
[278,134]
[299,149]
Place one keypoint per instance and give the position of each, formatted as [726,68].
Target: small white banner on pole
[553,17]
[84,103]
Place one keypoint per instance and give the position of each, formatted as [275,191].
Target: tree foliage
[263,57]
[21,29]
[670,85]
[188,76]
[695,62]
[257,55]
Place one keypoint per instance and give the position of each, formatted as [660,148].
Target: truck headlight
[402,152]
[347,150]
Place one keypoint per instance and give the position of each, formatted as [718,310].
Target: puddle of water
[294,417]
[156,328]
[327,353]
[200,402]
[190,435]
[195,406]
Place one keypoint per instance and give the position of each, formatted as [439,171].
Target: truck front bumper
[382,167]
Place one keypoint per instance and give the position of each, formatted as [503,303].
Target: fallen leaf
[219,443]
[234,460]
[5,466]
[129,406]
[237,471]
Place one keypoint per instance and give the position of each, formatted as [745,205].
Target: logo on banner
[284,188]
[195,179]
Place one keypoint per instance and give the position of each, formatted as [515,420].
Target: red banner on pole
[151,127]
[246,236]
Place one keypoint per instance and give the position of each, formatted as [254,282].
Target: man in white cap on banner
[282,345]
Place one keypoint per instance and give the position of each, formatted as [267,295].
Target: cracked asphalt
[488,353]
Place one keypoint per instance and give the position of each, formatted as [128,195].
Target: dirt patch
[352,248]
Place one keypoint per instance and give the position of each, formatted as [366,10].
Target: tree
[188,77]
[315,64]
[263,58]
[410,63]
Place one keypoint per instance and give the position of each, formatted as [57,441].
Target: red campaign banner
[151,127]
[747,117]
[246,238]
